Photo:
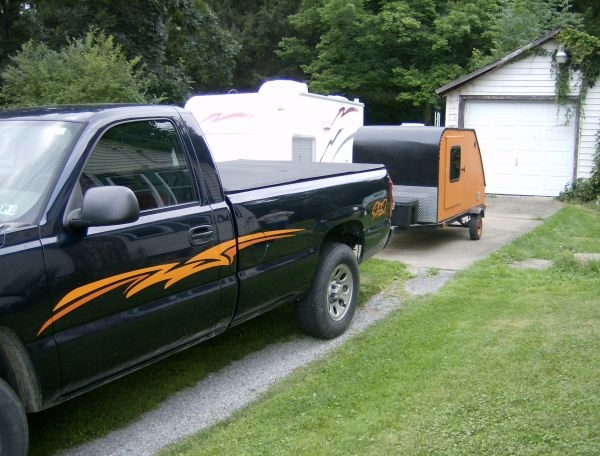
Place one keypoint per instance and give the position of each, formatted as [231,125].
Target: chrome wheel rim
[339,292]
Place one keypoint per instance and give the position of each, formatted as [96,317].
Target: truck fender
[17,370]
[349,233]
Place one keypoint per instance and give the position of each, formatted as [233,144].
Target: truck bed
[243,175]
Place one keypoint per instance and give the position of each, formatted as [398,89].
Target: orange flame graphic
[140,279]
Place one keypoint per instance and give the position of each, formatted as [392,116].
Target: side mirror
[103,206]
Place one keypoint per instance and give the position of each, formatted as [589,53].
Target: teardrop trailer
[437,172]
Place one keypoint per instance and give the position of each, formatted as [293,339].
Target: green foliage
[15,27]
[393,54]
[258,27]
[584,57]
[367,50]
[584,190]
[89,70]
[138,25]
[519,22]
[181,44]
[198,46]
[580,190]
[591,15]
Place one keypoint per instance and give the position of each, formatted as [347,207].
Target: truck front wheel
[14,438]
[327,310]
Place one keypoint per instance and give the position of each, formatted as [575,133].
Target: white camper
[282,121]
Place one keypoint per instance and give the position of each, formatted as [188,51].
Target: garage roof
[444,90]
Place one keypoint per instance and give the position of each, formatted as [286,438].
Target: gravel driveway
[222,393]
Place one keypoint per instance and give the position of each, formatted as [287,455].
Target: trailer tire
[327,310]
[475,227]
[14,436]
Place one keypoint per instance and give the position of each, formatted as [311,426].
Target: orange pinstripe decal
[140,279]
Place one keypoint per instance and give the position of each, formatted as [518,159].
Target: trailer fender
[477,210]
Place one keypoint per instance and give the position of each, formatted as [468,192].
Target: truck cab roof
[82,113]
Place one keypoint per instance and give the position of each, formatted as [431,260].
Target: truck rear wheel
[327,310]
[14,437]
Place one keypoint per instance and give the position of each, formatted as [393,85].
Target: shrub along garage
[530,145]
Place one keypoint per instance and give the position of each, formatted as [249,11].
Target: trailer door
[451,182]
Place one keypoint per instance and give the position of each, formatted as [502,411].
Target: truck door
[126,293]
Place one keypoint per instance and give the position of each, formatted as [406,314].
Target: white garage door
[526,146]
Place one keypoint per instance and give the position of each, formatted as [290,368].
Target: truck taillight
[391,192]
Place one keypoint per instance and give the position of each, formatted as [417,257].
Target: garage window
[455,164]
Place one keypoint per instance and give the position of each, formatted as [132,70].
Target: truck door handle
[201,235]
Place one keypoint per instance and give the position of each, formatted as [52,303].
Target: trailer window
[455,164]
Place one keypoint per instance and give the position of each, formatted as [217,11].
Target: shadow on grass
[94,414]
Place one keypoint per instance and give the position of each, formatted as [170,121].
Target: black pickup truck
[122,241]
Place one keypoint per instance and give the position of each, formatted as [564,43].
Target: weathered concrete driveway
[450,249]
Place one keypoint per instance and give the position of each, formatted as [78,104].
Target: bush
[584,190]
[580,190]
[89,70]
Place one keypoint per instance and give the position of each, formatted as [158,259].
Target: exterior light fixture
[561,56]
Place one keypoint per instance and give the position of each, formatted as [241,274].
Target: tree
[88,70]
[15,27]
[180,42]
[393,54]
[257,26]
[590,9]
[198,44]
[387,53]
[521,21]
[341,47]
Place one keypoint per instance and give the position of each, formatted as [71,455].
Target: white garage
[529,144]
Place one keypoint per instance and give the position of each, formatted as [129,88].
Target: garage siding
[531,76]
[589,125]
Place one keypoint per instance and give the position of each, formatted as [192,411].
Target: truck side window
[455,164]
[145,156]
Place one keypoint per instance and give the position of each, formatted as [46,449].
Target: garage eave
[451,86]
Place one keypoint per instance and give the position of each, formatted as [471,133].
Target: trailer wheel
[327,310]
[14,436]
[475,227]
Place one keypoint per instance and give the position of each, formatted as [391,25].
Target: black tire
[14,434]
[327,310]
[475,227]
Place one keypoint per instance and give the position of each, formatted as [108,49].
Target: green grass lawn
[501,361]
